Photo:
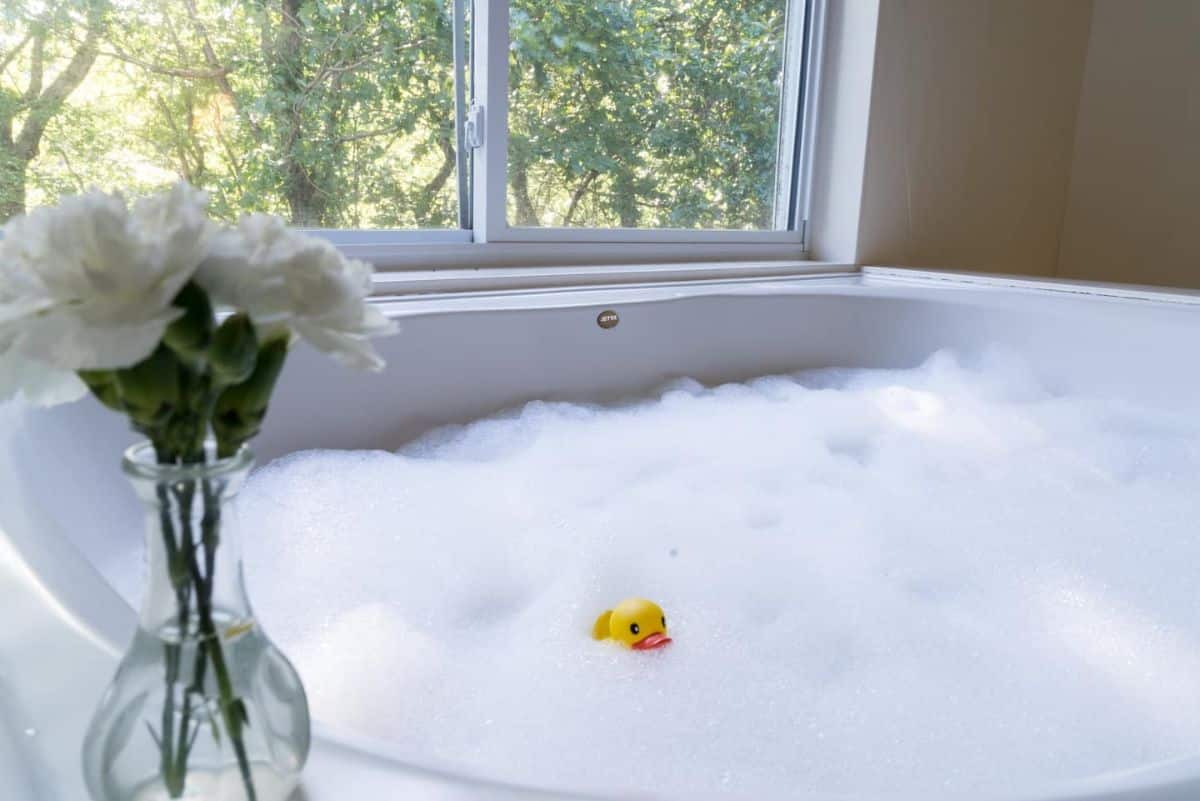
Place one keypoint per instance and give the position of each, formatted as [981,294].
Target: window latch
[473,128]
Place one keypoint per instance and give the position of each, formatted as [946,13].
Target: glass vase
[203,705]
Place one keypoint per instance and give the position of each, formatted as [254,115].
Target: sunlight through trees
[340,114]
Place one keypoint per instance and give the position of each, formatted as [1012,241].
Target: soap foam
[943,578]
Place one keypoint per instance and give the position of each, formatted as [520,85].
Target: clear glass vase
[203,705]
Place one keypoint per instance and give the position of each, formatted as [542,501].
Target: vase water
[203,705]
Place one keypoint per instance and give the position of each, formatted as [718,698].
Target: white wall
[847,67]
[1133,210]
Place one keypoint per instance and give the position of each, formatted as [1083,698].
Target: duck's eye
[664,620]
[634,628]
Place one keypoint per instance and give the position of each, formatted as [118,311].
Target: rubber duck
[635,623]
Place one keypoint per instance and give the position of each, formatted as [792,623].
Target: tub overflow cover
[608,319]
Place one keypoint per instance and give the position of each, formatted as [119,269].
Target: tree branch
[160,69]
[578,194]
[48,102]
[325,73]
[221,78]
[354,137]
[80,183]
[16,51]
[37,67]
[430,190]
[234,163]
[184,167]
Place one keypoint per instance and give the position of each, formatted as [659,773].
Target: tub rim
[1171,778]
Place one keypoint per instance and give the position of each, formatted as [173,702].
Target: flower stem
[233,710]
[171,764]
[189,580]
[186,496]
[181,438]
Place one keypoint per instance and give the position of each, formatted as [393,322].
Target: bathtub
[63,502]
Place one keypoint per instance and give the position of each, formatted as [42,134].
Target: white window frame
[492,242]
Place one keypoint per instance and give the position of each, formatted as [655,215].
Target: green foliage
[339,113]
[651,113]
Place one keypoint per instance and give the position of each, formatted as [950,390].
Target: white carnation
[88,284]
[286,280]
[35,382]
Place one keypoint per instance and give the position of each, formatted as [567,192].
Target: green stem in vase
[209,648]
[200,665]
[190,581]
[233,711]
[172,767]
[200,376]
[178,774]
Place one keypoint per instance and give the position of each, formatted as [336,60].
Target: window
[498,120]
[648,114]
[333,114]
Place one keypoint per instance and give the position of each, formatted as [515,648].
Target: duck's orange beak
[651,641]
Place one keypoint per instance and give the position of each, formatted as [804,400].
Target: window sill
[436,255]
[502,279]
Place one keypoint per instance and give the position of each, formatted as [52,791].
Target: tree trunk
[625,199]
[13,177]
[428,194]
[527,216]
[305,203]
[40,104]
[12,166]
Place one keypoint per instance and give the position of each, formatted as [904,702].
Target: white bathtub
[64,503]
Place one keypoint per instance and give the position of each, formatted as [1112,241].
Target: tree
[66,35]
[336,114]
[339,113]
[644,112]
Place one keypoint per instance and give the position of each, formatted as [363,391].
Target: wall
[972,127]
[1133,210]
[1041,137]
[847,57]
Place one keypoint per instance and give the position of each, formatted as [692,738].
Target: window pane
[644,113]
[333,113]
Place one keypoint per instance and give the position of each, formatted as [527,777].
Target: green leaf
[234,350]
[103,385]
[189,335]
[149,390]
[239,410]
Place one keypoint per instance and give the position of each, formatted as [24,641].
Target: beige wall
[972,127]
[1045,137]
[1133,210]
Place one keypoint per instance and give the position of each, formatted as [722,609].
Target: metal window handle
[473,130]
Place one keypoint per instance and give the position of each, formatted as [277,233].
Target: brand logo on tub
[608,319]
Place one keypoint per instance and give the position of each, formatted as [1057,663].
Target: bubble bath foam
[878,581]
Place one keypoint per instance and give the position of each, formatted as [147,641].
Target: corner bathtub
[63,500]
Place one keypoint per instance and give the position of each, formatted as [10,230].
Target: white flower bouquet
[99,295]
[183,325]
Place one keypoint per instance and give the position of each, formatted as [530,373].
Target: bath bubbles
[936,579]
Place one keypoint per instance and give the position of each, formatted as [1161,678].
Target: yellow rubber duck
[635,623]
